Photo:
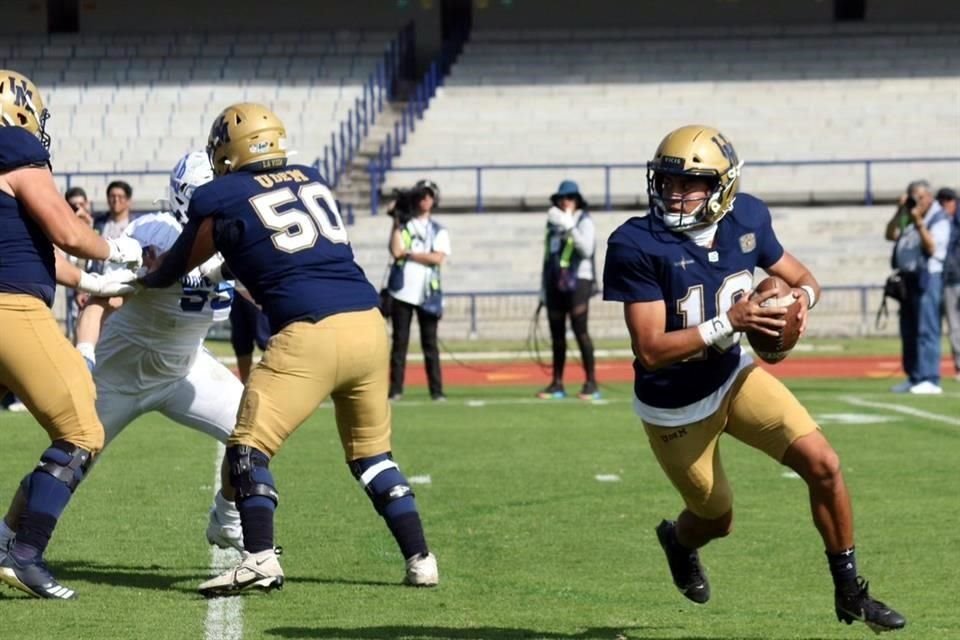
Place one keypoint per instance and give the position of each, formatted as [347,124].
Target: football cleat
[34,579]
[685,567]
[873,613]
[259,570]
[422,571]
[225,536]
[553,391]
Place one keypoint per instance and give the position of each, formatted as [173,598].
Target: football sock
[393,499]
[226,510]
[33,536]
[843,568]
[256,513]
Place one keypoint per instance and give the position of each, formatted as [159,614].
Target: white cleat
[225,536]
[259,570]
[422,571]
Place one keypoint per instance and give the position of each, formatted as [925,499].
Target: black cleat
[685,567]
[34,579]
[873,613]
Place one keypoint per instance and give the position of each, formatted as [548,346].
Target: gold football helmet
[695,151]
[247,135]
[22,106]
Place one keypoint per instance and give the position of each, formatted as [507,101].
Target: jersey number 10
[298,229]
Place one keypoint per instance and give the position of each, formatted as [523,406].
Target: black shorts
[567,301]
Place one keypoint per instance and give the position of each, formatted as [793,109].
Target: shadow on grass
[184,579]
[490,633]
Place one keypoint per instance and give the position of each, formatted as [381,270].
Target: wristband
[715,329]
[811,295]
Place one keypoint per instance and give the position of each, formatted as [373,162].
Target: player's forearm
[77,239]
[67,273]
[656,352]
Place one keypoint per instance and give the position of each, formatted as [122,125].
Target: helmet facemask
[694,152]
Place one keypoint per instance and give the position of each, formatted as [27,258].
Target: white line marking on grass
[853,418]
[224,615]
[607,477]
[792,475]
[910,411]
[419,479]
[476,403]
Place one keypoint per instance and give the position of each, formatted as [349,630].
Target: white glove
[560,218]
[126,250]
[116,283]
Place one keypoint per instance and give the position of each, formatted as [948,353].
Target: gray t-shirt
[910,256]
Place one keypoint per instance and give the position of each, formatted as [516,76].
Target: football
[769,348]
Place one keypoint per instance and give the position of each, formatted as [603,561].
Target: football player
[684,274]
[37,362]
[150,356]
[281,234]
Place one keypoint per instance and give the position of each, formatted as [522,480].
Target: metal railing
[843,310]
[379,87]
[379,169]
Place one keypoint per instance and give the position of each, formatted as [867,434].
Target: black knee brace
[66,462]
[250,474]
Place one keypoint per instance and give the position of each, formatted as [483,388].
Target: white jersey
[155,336]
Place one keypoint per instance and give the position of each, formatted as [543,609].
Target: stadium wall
[23,16]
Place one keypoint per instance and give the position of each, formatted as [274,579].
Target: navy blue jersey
[26,254]
[647,262]
[282,236]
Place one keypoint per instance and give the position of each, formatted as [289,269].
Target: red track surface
[528,373]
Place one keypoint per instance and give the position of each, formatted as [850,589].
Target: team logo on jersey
[748,242]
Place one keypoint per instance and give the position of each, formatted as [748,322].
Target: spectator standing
[921,247]
[947,198]
[568,282]
[419,246]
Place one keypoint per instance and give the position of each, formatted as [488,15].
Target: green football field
[541,515]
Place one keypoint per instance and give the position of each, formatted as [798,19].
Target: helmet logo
[220,132]
[22,96]
[725,148]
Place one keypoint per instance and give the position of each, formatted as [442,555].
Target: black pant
[575,304]
[402,317]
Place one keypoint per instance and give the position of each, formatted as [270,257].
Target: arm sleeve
[584,236]
[629,275]
[174,264]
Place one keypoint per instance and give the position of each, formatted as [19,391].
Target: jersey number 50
[297,229]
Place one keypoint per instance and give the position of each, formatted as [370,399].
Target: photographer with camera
[76,197]
[921,230]
[418,246]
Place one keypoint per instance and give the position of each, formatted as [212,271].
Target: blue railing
[378,89]
[379,169]
[417,102]
[861,301]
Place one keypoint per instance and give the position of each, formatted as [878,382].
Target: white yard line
[897,408]
[224,615]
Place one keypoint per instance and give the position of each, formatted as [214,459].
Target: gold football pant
[758,410]
[50,377]
[344,356]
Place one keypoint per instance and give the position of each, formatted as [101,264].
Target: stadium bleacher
[123,104]
[808,92]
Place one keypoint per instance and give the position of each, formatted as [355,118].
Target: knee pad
[380,477]
[66,462]
[250,474]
